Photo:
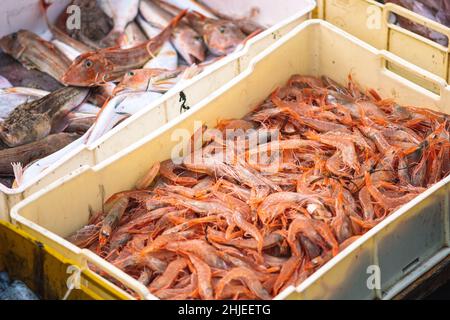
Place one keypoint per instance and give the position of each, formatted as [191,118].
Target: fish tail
[44,5]
[18,173]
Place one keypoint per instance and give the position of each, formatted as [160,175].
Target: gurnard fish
[247,25]
[186,40]
[99,67]
[35,53]
[221,34]
[122,12]
[222,37]
[35,120]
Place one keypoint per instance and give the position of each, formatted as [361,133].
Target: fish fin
[196,15]
[114,40]
[60,123]
[18,174]
[44,5]
[178,18]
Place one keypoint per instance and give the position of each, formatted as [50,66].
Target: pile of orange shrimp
[215,227]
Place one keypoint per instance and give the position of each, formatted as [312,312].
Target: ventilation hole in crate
[410,265]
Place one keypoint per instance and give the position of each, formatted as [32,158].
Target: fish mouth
[194,57]
[66,79]
[120,90]
[69,81]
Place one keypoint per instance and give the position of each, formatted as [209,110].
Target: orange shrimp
[204,277]
[276,203]
[165,280]
[147,180]
[250,213]
[198,247]
[384,201]
[341,224]
[111,221]
[248,277]
[346,147]
[167,171]
[287,270]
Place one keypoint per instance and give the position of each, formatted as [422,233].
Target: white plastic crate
[403,245]
[26,13]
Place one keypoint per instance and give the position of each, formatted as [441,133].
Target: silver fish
[118,109]
[167,57]
[134,36]
[186,40]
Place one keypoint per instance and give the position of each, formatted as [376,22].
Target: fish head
[222,36]
[136,80]
[89,69]
[24,130]
[11,44]
[189,44]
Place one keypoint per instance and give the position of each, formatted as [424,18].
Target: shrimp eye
[88,63]
[105,234]
[222,29]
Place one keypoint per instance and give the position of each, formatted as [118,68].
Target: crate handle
[117,274]
[386,56]
[416,18]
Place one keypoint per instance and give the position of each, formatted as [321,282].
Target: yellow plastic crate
[401,244]
[369,21]
[47,272]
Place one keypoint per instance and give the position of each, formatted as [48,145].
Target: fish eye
[14,36]
[222,29]
[198,38]
[131,73]
[88,63]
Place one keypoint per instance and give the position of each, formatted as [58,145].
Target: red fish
[99,67]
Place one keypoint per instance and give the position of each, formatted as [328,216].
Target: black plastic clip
[183,100]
